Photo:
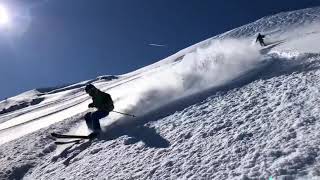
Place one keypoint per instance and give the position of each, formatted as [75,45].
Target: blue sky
[54,42]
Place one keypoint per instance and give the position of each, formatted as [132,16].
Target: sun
[4,16]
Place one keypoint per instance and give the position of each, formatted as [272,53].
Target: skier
[104,104]
[260,39]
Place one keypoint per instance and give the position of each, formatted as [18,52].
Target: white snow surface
[224,108]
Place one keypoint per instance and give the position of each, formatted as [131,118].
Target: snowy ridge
[221,109]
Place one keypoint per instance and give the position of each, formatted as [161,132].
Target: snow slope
[221,109]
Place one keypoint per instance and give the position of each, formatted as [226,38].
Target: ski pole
[124,113]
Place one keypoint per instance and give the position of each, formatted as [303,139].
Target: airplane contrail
[157,45]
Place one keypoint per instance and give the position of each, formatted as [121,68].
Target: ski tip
[59,143]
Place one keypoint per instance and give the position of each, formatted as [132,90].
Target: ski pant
[92,119]
[262,43]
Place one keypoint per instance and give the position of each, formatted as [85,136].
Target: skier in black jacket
[104,104]
[260,39]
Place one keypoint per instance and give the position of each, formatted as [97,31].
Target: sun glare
[4,16]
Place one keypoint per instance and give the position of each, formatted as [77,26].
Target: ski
[68,142]
[66,136]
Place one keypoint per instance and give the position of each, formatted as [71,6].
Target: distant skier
[104,104]
[260,39]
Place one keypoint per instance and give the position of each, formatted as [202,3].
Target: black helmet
[89,87]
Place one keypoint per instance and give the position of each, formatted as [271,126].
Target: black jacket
[102,101]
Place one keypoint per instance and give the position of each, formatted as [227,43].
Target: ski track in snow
[216,110]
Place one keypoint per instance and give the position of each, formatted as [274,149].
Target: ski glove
[91,105]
